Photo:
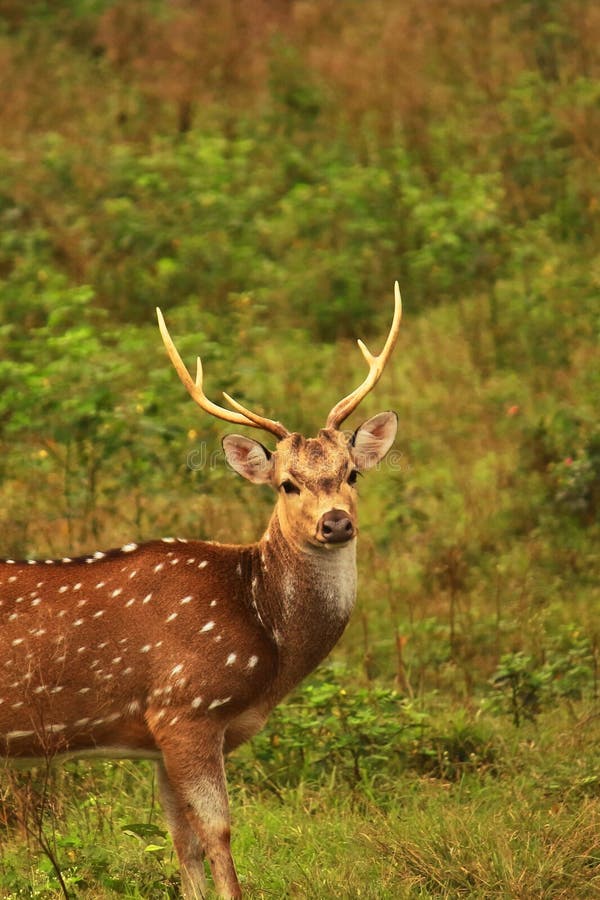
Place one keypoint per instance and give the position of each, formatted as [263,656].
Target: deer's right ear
[249,458]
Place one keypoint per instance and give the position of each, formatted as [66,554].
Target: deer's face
[315,478]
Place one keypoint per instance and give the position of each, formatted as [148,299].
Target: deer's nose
[335,527]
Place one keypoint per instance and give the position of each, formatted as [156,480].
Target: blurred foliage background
[264,171]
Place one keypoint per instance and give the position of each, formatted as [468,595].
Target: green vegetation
[264,171]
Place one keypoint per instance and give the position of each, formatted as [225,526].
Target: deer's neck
[304,597]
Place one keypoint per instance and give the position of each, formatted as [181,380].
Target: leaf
[143,830]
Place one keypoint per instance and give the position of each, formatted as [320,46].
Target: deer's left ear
[372,440]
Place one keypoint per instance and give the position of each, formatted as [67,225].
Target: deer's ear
[249,458]
[372,440]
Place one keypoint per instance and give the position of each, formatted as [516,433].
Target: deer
[177,650]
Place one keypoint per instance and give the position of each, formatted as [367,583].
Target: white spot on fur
[196,702]
[252,662]
[146,648]
[158,567]
[128,548]
[208,627]
[216,703]
[203,564]
[231,659]
[147,598]
[186,599]
[98,614]
[171,617]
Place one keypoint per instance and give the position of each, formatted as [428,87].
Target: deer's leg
[185,839]
[195,773]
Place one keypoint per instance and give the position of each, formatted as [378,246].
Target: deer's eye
[353,476]
[289,487]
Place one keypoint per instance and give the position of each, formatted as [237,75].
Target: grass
[526,826]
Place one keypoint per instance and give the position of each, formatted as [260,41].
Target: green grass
[526,824]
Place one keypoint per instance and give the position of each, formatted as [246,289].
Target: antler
[243,416]
[376,364]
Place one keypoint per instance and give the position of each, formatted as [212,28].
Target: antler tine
[271,425]
[342,410]
[243,416]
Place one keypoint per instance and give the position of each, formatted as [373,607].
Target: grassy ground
[523,822]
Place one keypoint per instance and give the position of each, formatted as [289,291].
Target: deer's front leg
[185,839]
[196,805]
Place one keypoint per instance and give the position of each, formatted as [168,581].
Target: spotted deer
[178,649]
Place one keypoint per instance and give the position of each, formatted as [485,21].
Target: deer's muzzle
[335,527]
